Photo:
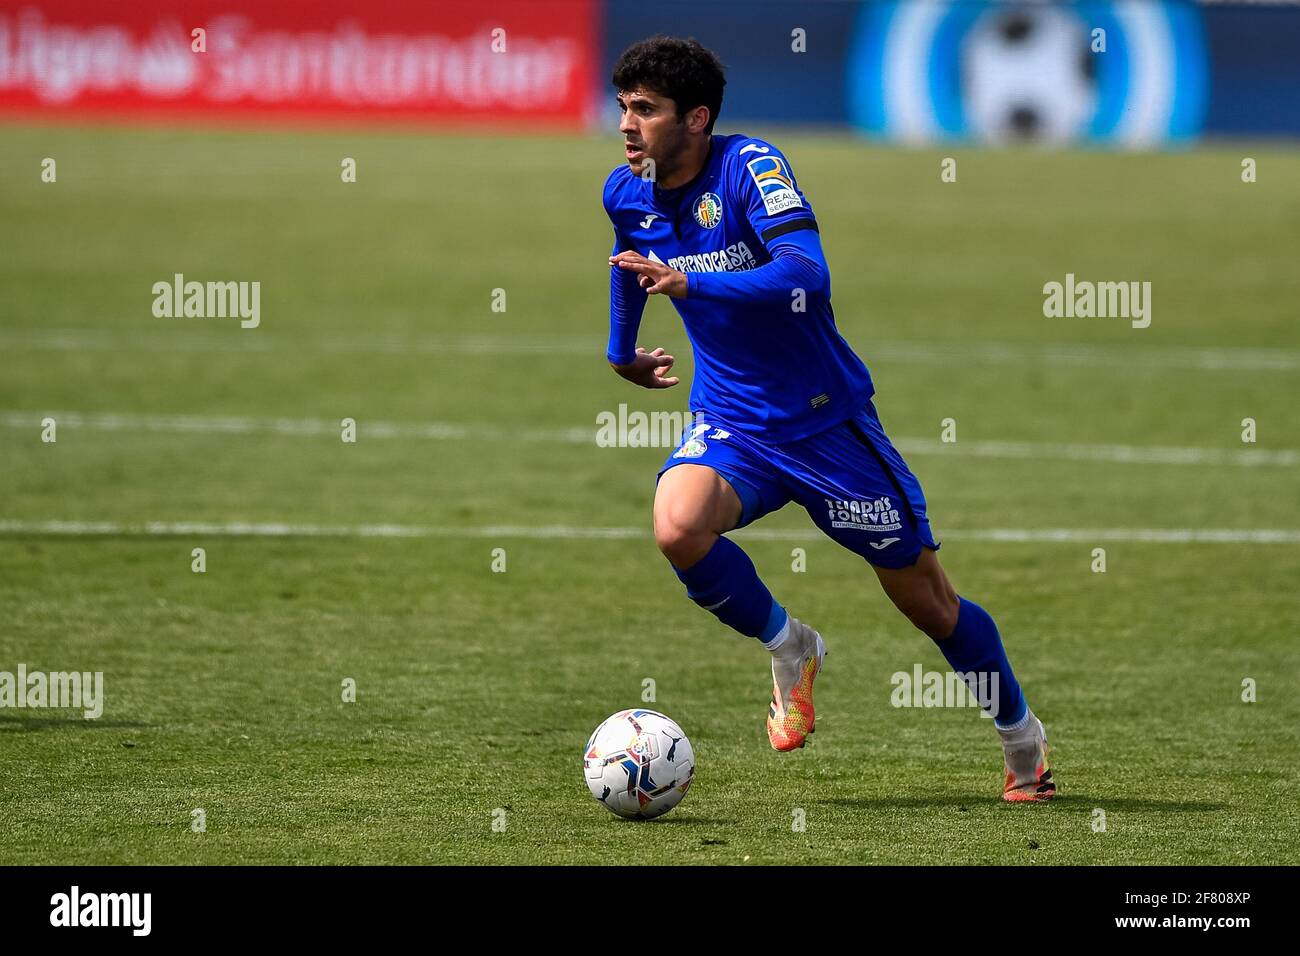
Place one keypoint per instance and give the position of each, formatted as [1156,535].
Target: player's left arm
[781,217]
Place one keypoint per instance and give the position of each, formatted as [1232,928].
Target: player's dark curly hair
[683,70]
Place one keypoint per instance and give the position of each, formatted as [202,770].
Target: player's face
[651,131]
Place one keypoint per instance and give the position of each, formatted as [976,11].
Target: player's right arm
[626,305]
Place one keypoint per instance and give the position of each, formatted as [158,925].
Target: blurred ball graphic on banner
[1131,73]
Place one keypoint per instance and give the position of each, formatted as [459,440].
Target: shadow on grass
[674,820]
[1071,801]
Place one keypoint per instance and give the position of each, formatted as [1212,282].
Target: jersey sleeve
[764,187]
[626,297]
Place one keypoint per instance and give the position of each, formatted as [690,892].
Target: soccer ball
[638,763]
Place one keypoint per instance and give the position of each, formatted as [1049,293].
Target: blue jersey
[768,356]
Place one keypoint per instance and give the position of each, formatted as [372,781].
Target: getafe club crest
[691,449]
[708,210]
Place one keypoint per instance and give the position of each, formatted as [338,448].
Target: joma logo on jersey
[734,258]
[877,514]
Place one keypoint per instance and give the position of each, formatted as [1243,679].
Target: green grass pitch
[476,690]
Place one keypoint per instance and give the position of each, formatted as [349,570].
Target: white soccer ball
[638,763]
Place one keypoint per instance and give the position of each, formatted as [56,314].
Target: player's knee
[682,535]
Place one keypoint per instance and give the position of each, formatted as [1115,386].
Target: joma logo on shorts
[870,515]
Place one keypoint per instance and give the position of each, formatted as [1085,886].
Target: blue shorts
[849,478]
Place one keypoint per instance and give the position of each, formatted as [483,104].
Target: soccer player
[782,404]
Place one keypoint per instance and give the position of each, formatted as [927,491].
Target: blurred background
[1128,73]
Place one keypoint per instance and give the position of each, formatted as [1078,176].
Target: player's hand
[655,277]
[649,369]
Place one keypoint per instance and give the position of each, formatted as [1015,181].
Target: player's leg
[725,486]
[963,631]
[694,506]
[968,638]
[860,492]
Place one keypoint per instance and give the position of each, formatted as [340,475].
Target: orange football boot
[1029,776]
[790,717]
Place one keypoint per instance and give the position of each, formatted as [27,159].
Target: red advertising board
[512,62]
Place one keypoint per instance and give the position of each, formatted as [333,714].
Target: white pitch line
[1078,355]
[179,339]
[1121,454]
[195,338]
[452,431]
[300,427]
[249,529]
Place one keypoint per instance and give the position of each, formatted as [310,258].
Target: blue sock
[975,646]
[725,582]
